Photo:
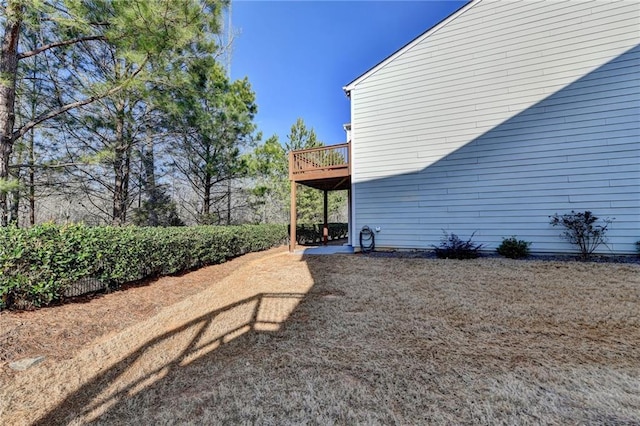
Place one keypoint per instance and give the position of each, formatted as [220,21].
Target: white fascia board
[349,87]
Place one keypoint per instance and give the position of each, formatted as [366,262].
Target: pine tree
[140,31]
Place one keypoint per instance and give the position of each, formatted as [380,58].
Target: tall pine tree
[141,31]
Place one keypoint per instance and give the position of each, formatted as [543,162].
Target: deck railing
[320,159]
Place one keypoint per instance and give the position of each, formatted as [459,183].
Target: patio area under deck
[327,168]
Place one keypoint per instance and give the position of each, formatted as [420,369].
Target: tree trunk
[148,164]
[206,201]
[207,178]
[32,184]
[121,168]
[14,207]
[35,89]
[32,178]
[8,72]
[14,195]
[228,202]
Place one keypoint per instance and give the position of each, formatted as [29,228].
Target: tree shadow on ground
[166,354]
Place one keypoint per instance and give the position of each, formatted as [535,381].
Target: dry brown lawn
[284,339]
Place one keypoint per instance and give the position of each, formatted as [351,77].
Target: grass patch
[372,340]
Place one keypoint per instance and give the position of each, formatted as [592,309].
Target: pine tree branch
[44,166]
[61,110]
[41,49]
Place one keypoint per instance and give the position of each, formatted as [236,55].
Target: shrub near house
[513,248]
[583,230]
[453,247]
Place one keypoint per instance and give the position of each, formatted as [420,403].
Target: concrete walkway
[325,250]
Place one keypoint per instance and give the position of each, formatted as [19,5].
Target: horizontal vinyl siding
[509,113]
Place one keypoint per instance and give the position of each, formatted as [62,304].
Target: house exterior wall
[506,114]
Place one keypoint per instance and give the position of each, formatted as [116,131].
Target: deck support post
[349,218]
[292,222]
[325,229]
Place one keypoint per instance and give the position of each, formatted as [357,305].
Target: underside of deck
[336,183]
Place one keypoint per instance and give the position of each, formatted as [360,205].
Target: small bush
[638,248]
[452,247]
[581,229]
[513,248]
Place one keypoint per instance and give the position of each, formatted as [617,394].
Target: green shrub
[38,264]
[638,247]
[513,248]
[452,247]
[582,229]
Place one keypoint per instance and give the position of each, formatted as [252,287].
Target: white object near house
[498,117]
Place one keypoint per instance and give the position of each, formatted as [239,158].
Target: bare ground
[274,338]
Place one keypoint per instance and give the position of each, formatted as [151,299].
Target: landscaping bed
[430,254]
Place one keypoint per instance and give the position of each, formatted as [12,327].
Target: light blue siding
[498,118]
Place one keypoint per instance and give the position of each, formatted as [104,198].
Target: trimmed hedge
[38,264]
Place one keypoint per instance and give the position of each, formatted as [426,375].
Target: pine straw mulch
[352,339]
[58,332]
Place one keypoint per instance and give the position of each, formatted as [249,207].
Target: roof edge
[350,86]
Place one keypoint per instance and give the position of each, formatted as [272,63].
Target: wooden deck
[325,167]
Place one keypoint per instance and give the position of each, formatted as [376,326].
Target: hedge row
[37,264]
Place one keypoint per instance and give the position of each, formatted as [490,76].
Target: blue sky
[298,55]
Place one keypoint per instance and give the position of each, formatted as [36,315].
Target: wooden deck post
[349,219]
[325,229]
[292,222]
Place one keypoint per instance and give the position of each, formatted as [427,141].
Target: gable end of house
[347,88]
